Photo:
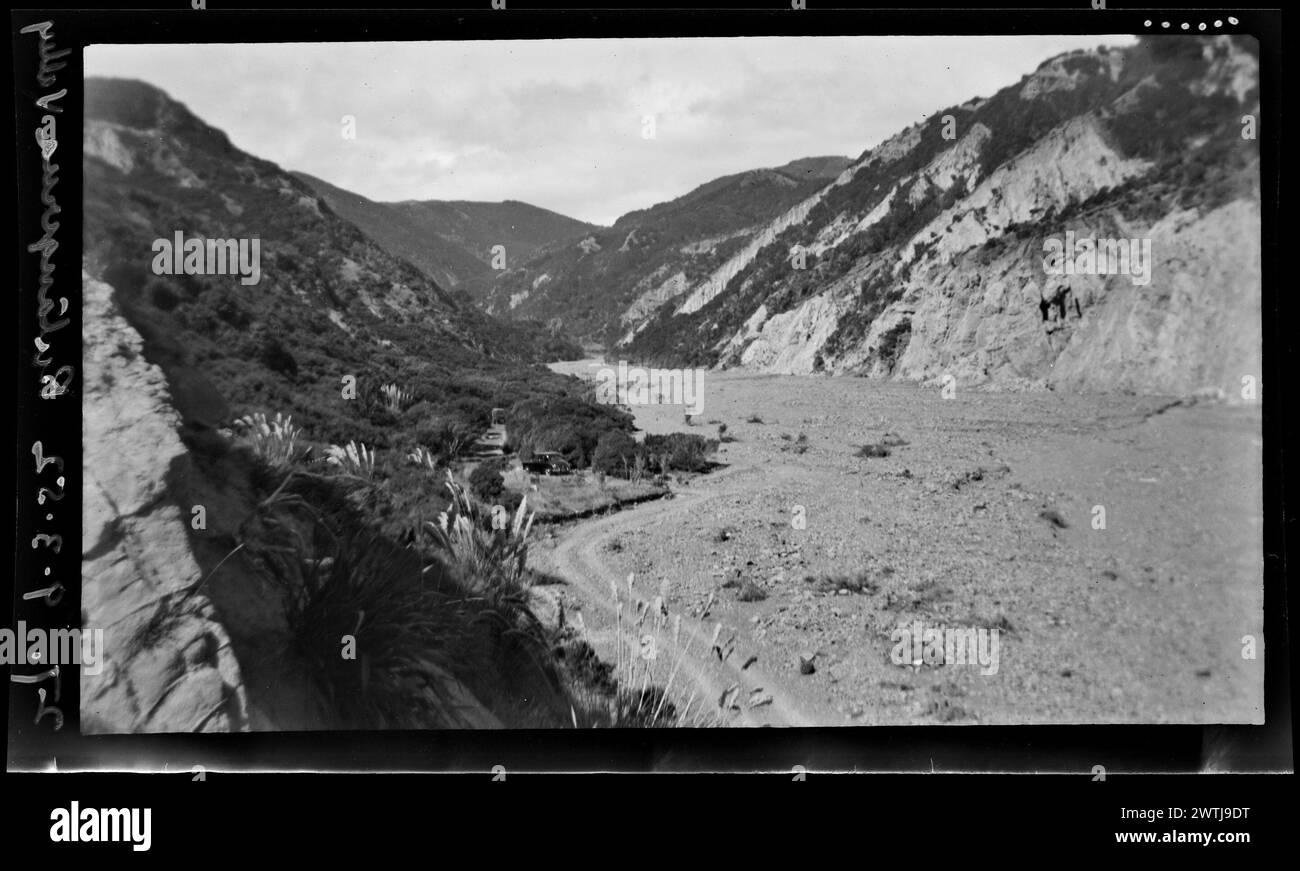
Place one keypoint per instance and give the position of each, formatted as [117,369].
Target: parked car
[547,463]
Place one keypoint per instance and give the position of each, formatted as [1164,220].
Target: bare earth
[1140,622]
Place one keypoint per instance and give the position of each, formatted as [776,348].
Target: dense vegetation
[334,396]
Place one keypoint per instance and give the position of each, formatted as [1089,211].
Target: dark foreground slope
[280,571]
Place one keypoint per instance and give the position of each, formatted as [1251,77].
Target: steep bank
[925,260]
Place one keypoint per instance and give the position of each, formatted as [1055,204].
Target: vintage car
[547,463]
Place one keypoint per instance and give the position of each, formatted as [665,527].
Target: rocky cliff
[195,633]
[169,664]
[926,258]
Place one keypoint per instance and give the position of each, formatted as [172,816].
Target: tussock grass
[356,460]
[274,440]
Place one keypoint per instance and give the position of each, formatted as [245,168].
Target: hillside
[451,242]
[228,548]
[445,263]
[329,302]
[608,279]
[924,259]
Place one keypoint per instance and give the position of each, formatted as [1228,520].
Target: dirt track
[579,558]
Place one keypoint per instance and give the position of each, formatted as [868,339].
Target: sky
[562,124]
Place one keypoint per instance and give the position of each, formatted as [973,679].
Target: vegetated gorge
[304,500]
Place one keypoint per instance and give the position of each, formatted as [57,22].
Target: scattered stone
[1052,516]
[806,665]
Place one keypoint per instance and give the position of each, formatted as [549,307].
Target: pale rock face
[717,282]
[1232,71]
[337,319]
[652,299]
[99,139]
[961,162]
[1072,162]
[892,149]
[970,310]
[788,343]
[704,293]
[747,333]
[1195,326]
[706,246]
[169,665]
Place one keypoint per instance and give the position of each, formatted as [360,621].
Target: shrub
[492,561]
[275,356]
[685,451]
[614,452]
[162,295]
[486,483]
[356,460]
[274,441]
[397,398]
[422,457]
[446,439]
[797,446]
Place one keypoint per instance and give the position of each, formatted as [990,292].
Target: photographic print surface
[710,382]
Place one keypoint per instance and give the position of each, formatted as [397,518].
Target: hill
[924,260]
[607,280]
[451,242]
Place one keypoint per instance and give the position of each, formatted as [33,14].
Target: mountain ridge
[920,261]
[451,241]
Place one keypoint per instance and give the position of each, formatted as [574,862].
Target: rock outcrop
[925,259]
[169,666]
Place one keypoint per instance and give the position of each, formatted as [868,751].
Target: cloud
[559,123]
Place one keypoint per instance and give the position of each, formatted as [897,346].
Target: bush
[275,356]
[162,295]
[686,452]
[614,453]
[486,483]
[446,439]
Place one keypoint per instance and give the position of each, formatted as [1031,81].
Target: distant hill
[600,283]
[330,301]
[451,241]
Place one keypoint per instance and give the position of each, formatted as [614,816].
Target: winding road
[579,558]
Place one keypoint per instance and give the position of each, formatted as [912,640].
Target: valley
[985,517]
[892,411]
